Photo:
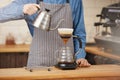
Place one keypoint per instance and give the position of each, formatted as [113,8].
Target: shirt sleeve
[12,11]
[79,27]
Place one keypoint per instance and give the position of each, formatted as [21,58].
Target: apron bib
[45,44]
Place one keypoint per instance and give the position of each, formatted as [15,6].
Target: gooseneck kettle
[43,21]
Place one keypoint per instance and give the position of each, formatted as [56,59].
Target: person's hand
[83,62]
[30,9]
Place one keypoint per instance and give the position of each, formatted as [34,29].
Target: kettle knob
[47,10]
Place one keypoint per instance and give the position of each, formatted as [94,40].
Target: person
[44,44]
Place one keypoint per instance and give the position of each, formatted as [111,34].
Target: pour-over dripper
[65,34]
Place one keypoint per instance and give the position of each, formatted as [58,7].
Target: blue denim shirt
[14,11]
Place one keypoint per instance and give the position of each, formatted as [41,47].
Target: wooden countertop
[26,48]
[97,51]
[14,48]
[95,72]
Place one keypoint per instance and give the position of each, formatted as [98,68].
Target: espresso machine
[108,29]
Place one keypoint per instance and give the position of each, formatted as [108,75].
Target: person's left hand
[83,62]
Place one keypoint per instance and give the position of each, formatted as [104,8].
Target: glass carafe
[66,59]
[65,56]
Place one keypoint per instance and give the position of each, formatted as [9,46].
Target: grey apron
[45,44]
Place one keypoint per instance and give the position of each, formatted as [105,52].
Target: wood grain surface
[97,51]
[95,72]
[15,48]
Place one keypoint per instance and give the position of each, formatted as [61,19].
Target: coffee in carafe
[66,59]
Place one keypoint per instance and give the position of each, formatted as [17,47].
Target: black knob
[98,24]
[98,15]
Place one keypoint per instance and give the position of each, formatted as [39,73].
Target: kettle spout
[58,24]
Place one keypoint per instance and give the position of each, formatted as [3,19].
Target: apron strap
[67,1]
[38,1]
[42,1]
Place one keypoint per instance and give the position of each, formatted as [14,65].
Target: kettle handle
[58,24]
[80,44]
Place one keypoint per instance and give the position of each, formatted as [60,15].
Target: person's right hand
[30,9]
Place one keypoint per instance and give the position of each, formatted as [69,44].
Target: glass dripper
[65,34]
[65,54]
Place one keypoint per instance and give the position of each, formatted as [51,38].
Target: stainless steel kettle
[43,21]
